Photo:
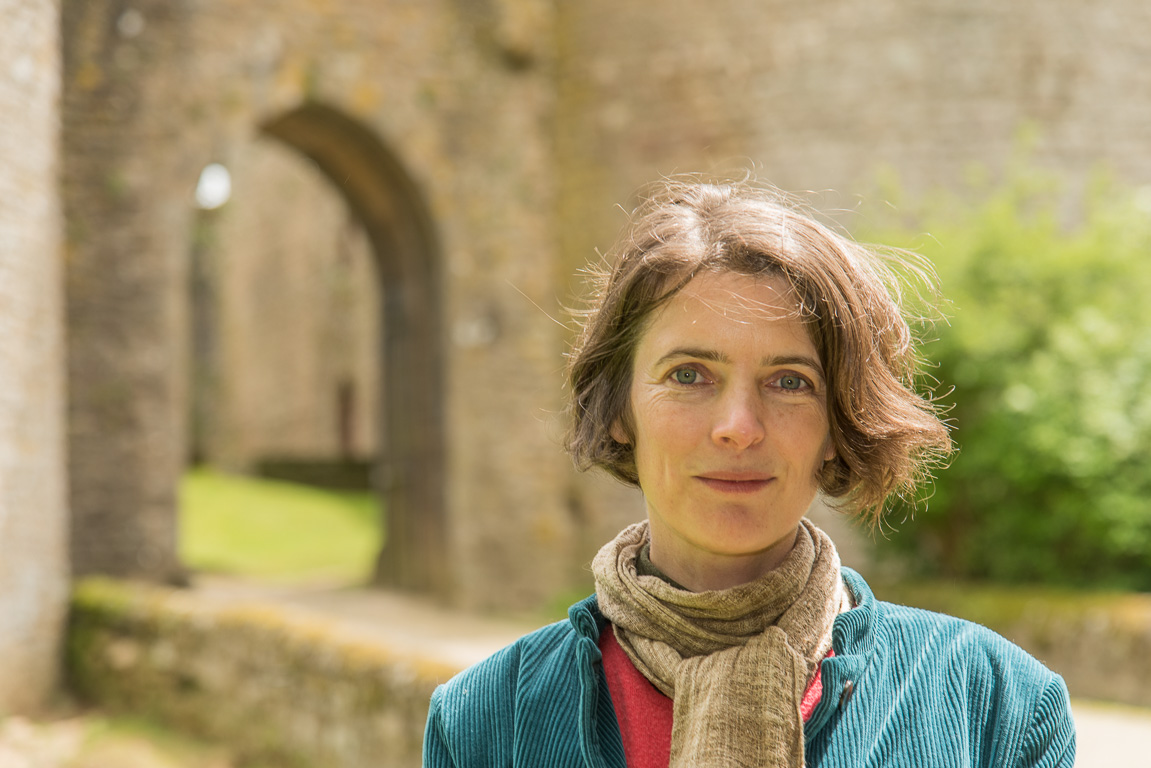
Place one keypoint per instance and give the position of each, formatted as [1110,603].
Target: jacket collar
[853,638]
[586,619]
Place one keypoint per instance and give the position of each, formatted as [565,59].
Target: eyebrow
[715,356]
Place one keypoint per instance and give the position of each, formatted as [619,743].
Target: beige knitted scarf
[735,662]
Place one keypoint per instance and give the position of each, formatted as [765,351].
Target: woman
[740,359]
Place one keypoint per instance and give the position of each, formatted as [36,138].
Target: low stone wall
[1100,643]
[299,691]
[275,686]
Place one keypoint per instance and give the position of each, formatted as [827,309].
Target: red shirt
[644,713]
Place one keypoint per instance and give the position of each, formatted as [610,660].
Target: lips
[735,482]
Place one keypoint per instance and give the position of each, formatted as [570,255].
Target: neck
[711,571]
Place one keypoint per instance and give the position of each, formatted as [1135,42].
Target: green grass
[275,530]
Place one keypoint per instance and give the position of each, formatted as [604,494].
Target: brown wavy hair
[886,435]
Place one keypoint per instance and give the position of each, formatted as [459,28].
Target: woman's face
[730,428]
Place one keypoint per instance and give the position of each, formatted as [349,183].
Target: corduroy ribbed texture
[905,688]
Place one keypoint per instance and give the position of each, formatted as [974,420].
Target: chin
[740,547]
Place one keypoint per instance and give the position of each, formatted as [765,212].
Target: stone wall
[824,96]
[33,516]
[281,689]
[126,201]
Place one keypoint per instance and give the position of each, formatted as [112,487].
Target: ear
[829,453]
[618,433]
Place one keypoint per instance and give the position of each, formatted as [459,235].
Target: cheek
[806,435]
[663,428]
[665,417]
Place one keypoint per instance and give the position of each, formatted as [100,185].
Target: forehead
[727,309]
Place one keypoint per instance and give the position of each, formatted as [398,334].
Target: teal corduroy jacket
[906,687]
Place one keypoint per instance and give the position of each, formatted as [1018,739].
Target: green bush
[1045,364]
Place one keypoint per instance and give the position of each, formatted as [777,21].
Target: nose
[739,421]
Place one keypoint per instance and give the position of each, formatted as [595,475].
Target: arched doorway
[410,474]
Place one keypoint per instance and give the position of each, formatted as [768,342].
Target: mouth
[735,482]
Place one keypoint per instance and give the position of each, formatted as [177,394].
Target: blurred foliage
[1045,364]
[276,530]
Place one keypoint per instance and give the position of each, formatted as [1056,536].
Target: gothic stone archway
[152,93]
[410,473]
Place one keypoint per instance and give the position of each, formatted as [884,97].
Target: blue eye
[685,376]
[791,382]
